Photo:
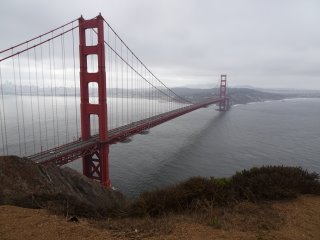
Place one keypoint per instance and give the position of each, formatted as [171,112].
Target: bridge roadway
[69,152]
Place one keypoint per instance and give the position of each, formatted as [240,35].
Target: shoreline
[277,100]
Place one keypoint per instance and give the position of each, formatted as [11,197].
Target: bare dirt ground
[296,219]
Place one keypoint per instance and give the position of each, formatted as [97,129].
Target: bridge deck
[76,149]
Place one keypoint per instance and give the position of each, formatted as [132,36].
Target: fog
[268,44]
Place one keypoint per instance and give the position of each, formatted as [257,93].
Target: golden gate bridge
[73,91]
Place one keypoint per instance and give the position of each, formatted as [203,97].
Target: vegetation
[64,191]
[256,184]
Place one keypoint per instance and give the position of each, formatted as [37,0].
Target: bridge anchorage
[119,97]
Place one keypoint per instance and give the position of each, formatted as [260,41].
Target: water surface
[209,143]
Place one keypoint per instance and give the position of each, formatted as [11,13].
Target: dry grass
[137,227]
[296,219]
[245,216]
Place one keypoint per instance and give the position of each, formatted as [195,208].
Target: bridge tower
[96,164]
[224,104]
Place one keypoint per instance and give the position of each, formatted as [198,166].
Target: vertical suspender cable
[168,100]
[153,98]
[146,99]
[133,87]
[150,98]
[121,87]
[2,135]
[111,97]
[22,109]
[65,88]
[139,84]
[75,83]
[52,100]
[38,100]
[109,82]
[17,109]
[127,87]
[144,95]
[55,91]
[135,95]
[31,98]
[116,79]
[44,97]
[138,93]
[148,95]
[141,92]
[5,139]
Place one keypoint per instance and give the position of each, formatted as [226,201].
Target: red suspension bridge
[52,114]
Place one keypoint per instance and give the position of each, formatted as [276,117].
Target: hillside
[47,202]
[61,190]
[297,219]
[246,95]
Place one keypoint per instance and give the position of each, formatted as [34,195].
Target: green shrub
[273,183]
[265,183]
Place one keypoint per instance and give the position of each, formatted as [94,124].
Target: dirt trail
[295,219]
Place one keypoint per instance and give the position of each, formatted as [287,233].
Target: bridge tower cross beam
[224,103]
[96,165]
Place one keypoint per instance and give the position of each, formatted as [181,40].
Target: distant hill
[246,95]
[238,95]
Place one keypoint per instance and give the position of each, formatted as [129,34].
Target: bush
[184,196]
[274,183]
[256,184]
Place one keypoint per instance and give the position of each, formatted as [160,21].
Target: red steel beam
[95,163]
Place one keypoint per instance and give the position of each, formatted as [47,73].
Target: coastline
[277,100]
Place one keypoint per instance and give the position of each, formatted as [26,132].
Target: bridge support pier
[225,104]
[95,165]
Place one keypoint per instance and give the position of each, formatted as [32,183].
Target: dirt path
[296,219]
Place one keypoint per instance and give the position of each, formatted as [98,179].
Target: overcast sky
[261,43]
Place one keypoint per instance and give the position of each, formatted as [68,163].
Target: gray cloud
[273,43]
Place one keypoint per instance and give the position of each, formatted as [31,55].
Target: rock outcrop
[60,190]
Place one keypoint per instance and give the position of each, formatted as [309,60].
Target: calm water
[209,143]
[31,124]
